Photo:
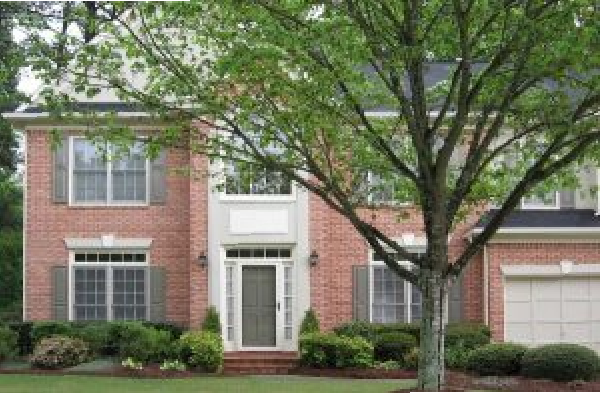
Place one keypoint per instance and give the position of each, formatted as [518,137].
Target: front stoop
[259,362]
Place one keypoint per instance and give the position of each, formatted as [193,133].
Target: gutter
[531,230]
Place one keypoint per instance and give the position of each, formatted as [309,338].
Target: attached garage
[544,305]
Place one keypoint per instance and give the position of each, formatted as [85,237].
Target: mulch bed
[359,373]
[459,382]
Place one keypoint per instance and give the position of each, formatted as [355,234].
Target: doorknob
[278,306]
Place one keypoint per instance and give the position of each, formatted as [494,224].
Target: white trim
[109,202]
[118,244]
[281,343]
[486,286]
[24,255]
[533,230]
[40,115]
[554,270]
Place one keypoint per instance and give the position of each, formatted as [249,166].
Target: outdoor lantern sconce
[314,258]
[203,260]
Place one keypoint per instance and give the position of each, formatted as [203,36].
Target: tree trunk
[431,352]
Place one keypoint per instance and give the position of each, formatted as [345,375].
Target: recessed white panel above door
[251,222]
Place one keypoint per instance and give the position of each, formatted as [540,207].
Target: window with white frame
[393,299]
[242,179]
[109,286]
[122,179]
[541,200]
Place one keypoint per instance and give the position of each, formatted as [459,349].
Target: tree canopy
[326,92]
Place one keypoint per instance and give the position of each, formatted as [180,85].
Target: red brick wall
[340,247]
[168,225]
[531,254]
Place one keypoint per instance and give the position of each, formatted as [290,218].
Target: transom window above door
[245,179]
[259,253]
[103,175]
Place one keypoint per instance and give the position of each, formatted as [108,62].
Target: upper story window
[248,180]
[542,200]
[122,179]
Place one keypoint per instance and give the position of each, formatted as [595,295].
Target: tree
[289,86]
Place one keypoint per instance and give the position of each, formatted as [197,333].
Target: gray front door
[259,306]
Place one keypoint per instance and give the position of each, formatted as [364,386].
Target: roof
[563,218]
[81,107]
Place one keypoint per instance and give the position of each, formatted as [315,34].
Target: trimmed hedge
[497,359]
[59,352]
[201,349]
[94,332]
[145,344]
[456,358]
[561,362]
[393,346]
[460,334]
[330,350]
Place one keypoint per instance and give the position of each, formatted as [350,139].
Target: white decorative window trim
[564,268]
[109,267]
[541,206]
[108,201]
[104,243]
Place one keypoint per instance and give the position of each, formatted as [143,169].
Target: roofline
[40,115]
[531,230]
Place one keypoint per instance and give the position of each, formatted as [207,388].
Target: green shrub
[411,360]
[466,335]
[362,329]
[393,346]
[176,330]
[212,323]
[8,343]
[456,358]
[331,350]
[41,330]
[414,329]
[560,362]
[497,359]
[144,344]
[98,337]
[202,350]
[310,322]
[59,352]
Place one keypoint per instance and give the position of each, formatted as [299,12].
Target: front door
[259,306]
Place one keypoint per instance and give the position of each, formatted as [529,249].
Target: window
[110,286]
[541,200]
[95,180]
[393,299]
[247,180]
[259,253]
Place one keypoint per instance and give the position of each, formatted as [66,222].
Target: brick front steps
[246,362]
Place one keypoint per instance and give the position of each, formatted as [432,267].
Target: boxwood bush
[456,358]
[143,343]
[202,350]
[212,322]
[497,359]
[561,362]
[393,346]
[59,352]
[331,350]
[310,322]
[466,335]
[8,343]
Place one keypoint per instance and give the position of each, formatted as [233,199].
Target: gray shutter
[360,293]
[158,179]
[60,290]
[60,172]
[455,300]
[158,294]
[567,199]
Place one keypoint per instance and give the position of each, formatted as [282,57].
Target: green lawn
[250,384]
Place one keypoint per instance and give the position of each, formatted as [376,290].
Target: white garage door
[550,310]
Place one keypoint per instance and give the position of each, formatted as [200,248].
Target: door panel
[259,306]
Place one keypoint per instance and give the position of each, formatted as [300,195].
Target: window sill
[109,206]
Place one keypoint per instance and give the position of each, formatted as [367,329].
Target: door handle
[278,306]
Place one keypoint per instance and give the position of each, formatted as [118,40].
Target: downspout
[486,287]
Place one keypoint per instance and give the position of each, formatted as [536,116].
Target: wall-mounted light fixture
[313,259]
[202,260]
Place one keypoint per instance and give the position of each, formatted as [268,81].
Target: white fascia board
[542,230]
[41,115]
[580,269]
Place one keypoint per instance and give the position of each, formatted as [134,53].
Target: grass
[246,384]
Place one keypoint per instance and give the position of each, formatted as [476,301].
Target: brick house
[133,239]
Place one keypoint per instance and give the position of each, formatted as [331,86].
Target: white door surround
[231,304]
